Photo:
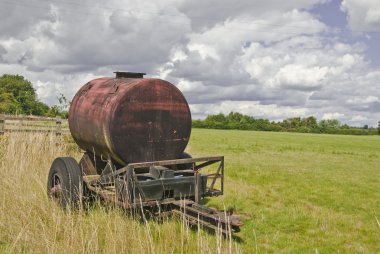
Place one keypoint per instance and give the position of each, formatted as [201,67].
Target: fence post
[21,123]
[2,124]
[58,129]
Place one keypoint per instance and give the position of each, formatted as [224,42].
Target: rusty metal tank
[130,118]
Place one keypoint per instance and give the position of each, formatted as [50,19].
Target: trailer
[133,132]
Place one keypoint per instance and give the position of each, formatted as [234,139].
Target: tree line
[237,121]
[17,96]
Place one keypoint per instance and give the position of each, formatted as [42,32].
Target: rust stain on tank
[131,119]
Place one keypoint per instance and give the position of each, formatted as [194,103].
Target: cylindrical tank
[130,118]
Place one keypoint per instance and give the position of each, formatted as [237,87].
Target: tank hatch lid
[126,74]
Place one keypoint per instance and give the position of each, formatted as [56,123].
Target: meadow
[296,193]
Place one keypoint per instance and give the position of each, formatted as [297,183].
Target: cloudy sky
[267,58]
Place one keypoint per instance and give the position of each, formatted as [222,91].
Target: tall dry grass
[31,223]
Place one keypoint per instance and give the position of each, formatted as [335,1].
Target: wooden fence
[21,123]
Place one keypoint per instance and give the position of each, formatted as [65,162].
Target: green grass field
[296,193]
[300,193]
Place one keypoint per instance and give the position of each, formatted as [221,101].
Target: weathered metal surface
[135,183]
[130,119]
[197,214]
[179,192]
[127,74]
[143,165]
[88,165]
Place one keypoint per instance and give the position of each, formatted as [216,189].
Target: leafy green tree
[329,124]
[17,96]
[237,121]
[291,124]
[216,121]
[310,122]
[53,111]
[62,108]
[8,103]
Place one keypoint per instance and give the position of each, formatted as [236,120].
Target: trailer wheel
[187,165]
[65,182]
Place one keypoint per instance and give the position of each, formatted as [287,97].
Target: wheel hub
[56,187]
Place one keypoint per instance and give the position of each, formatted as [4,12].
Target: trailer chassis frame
[124,187]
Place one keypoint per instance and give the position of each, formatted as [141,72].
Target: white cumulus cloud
[363,15]
[271,59]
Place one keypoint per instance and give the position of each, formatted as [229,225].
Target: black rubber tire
[65,182]
[88,162]
[185,156]
[185,166]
